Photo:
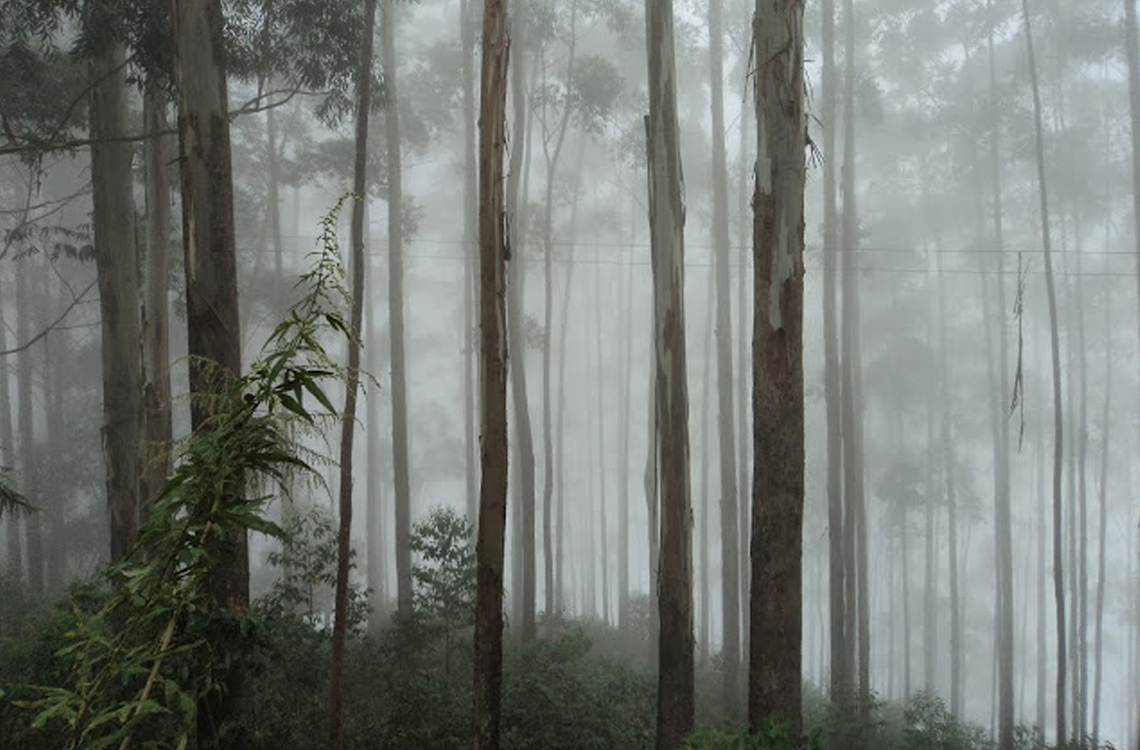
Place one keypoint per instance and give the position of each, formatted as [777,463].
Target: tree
[399,387]
[445,577]
[1043,193]
[667,242]
[493,378]
[777,369]
[730,584]
[214,335]
[348,418]
[117,272]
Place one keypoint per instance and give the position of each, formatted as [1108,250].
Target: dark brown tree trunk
[777,365]
[352,386]
[493,254]
[675,699]
[214,334]
[399,386]
[157,424]
[1058,446]
[730,579]
[116,263]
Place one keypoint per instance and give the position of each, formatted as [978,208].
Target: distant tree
[493,378]
[775,657]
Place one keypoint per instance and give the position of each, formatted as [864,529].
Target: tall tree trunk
[1000,429]
[775,657]
[743,367]
[1102,526]
[559,466]
[352,386]
[624,461]
[493,253]
[948,463]
[117,270]
[603,512]
[516,211]
[33,523]
[399,386]
[1058,446]
[214,333]
[836,568]
[375,527]
[471,241]
[703,491]
[15,559]
[666,228]
[157,424]
[730,578]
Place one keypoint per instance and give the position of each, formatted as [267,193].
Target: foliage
[729,737]
[307,559]
[445,570]
[930,726]
[139,665]
[11,501]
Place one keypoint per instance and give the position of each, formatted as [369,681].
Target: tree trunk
[400,436]
[1102,527]
[730,579]
[777,371]
[624,462]
[117,270]
[1133,56]
[836,567]
[157,424]
[948,464]
[706,360]
[33,523]
[516,212]
[214,334]
[667,241]
[375,527]
[471,241]
[603,511]
[352,386]
[493,254]
[15,560]
[1058,447]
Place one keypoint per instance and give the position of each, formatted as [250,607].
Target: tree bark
[471,241]
[15,558]
[157,423]
[730,583]
[116,263]
[33,531]
[777,365]
[352,386]
[214,334]
[1058,446]
[493,255]
[667,241]
[1102,527]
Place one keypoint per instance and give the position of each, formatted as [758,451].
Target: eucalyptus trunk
[775,654]
[488,666]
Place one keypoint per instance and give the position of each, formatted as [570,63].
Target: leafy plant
[140,664]
[444,573]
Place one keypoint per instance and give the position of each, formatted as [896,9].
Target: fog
[940,301]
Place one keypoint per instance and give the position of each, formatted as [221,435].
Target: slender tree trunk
[624,462]
[730,583]
[560,543]
[375,528]
[1000,430]
[666,225]
[117,270]
[348,418]
[775,654]
[603,514]
[33,523]
[516,209]
[1058,446]
[396,328]
[743,367]
[836,568]
[15,558]
[1132,54]
[157,424]
[214,333]
[948,463]
[703,492]
[471,242]
[493,252]
[1102,526]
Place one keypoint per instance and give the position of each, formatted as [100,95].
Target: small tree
[444,593]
